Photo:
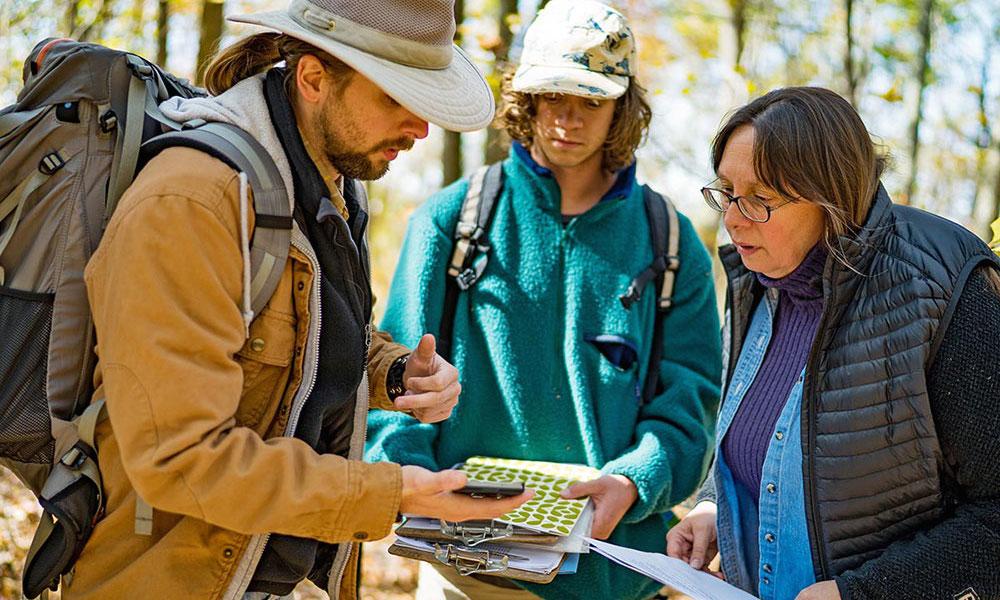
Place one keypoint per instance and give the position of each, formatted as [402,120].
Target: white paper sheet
[670,571]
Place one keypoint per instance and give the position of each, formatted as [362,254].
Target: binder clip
[472,534]
[469,562]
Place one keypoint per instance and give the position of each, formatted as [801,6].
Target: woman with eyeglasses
[858,442]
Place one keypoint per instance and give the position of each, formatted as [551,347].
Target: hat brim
[456,98]
[542,79]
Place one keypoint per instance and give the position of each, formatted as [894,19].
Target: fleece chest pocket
[265,358]
[617,365]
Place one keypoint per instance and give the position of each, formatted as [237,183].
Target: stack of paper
[672,572]
[535,560]
[539,539]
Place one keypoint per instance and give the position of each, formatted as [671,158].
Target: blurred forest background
[924,74]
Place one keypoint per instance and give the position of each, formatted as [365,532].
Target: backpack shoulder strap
[273,212]
[664,233]
[670,248]
[471,250]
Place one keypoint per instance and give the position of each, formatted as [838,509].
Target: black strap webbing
[664,239]
[471,247]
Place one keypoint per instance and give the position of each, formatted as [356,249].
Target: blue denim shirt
[764,545]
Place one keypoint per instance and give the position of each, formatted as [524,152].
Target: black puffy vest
[872,464]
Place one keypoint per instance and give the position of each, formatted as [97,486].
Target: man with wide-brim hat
[230,455]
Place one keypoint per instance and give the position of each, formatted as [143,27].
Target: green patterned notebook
[547,511]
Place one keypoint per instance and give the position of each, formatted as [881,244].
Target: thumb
[426,349]
[579,490]
[448,481]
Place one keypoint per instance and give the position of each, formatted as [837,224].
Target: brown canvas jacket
[198,409]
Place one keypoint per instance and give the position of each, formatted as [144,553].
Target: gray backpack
[85,121]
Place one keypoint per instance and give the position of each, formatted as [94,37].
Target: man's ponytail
[245,58]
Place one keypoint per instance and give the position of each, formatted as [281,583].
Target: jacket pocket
[265,358]
[617,364]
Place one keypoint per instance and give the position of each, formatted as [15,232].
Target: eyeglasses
[752,207]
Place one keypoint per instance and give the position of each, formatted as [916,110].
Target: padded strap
[127,145]
[86,424]
[467,231]
[471,252]
[673,248]
[272,209]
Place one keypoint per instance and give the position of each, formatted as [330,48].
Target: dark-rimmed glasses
[752,207]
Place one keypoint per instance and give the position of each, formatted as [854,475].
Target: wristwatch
[394,378]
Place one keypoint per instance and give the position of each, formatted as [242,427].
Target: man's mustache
[403,143]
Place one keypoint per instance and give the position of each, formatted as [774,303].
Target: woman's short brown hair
[810,144]
[628,126]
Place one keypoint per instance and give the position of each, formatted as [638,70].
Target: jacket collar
[541,178]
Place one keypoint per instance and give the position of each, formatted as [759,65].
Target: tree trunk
[497,141]
[72,14]
[209,35]
[138,14]
[738,8]
[923,74]
[996,189]
[162,29]
[451,154]
[94,32]
[849,70]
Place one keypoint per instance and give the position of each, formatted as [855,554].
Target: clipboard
[472,533]
[472,561]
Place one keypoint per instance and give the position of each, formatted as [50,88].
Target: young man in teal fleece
[551,362]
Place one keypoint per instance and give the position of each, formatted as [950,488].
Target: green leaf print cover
[547,511]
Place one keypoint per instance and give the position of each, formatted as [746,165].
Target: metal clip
[470,535]
[468,562]
[468,278]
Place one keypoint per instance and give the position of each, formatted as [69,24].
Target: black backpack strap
[471,250]
[664,233]
[273,213]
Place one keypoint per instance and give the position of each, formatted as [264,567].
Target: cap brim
[540,79]
[456,98]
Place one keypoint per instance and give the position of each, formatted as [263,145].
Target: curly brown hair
[628,126]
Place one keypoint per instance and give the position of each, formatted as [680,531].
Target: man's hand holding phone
[434,495]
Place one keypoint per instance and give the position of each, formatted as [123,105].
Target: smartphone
[491,489]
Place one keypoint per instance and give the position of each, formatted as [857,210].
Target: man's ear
[310,79]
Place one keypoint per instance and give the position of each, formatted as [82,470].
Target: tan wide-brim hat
[404,47]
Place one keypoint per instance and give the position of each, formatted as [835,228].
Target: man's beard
[346,158]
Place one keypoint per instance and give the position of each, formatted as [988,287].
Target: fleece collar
[622,188]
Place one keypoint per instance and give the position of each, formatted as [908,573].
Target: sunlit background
[924,74]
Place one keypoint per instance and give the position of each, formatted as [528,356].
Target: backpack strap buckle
[468,278]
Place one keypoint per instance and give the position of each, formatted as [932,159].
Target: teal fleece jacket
[533,386]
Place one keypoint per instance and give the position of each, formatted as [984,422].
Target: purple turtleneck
[800,305]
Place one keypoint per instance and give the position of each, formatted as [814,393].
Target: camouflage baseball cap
[577,47]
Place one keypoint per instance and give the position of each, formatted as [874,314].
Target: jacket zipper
[259,542]
[809,396]
[346,557]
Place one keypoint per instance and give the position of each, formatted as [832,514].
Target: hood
[244,106]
